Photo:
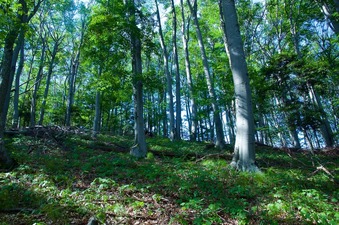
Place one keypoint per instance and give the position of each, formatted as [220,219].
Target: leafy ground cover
[178,183]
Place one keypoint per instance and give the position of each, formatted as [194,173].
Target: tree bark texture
[244,152]
[139,149]
[5,85]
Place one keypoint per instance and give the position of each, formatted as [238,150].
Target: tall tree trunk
[74,67]
[244,152]
[168,76]
[38,81]
[48,79]
[177,76]
[5,86]
[96,122]
[185,39]
[220,141]
[139,149]
[15,124]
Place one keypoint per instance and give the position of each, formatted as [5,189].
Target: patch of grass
[61,186]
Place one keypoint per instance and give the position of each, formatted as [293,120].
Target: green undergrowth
[69,184]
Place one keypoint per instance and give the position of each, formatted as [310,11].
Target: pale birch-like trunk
[220,141]
[193,107]
[244,149]
[168,76]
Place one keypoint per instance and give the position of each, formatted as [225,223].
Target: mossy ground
[178,183]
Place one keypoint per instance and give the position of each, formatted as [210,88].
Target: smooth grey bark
[38,78]
[139,150]
[177,75]
[220,139]
[74,67]
[168,77]
[185,39]
[97,116]
[15,123]
[244,149]
[57,41]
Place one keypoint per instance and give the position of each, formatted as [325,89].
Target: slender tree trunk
[185,39]
[220,140]
[17,48]
[177,75]
[5,85]
[38,82]
[230,125]
[74,67]
[15,124]
[96,122]
[168,76]
[97,119]
[139,149]
[244,152]
[48,80]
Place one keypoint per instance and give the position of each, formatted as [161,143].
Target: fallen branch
[16,210]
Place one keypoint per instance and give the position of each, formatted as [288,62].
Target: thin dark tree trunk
[15,124]
[177,76]
[38,82]
[74,67]
[97,116]
[48,79]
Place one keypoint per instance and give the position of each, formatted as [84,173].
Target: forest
[169,112]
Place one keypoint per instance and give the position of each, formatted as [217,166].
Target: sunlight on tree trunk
[244,155]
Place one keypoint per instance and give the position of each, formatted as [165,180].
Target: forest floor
[68,179]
